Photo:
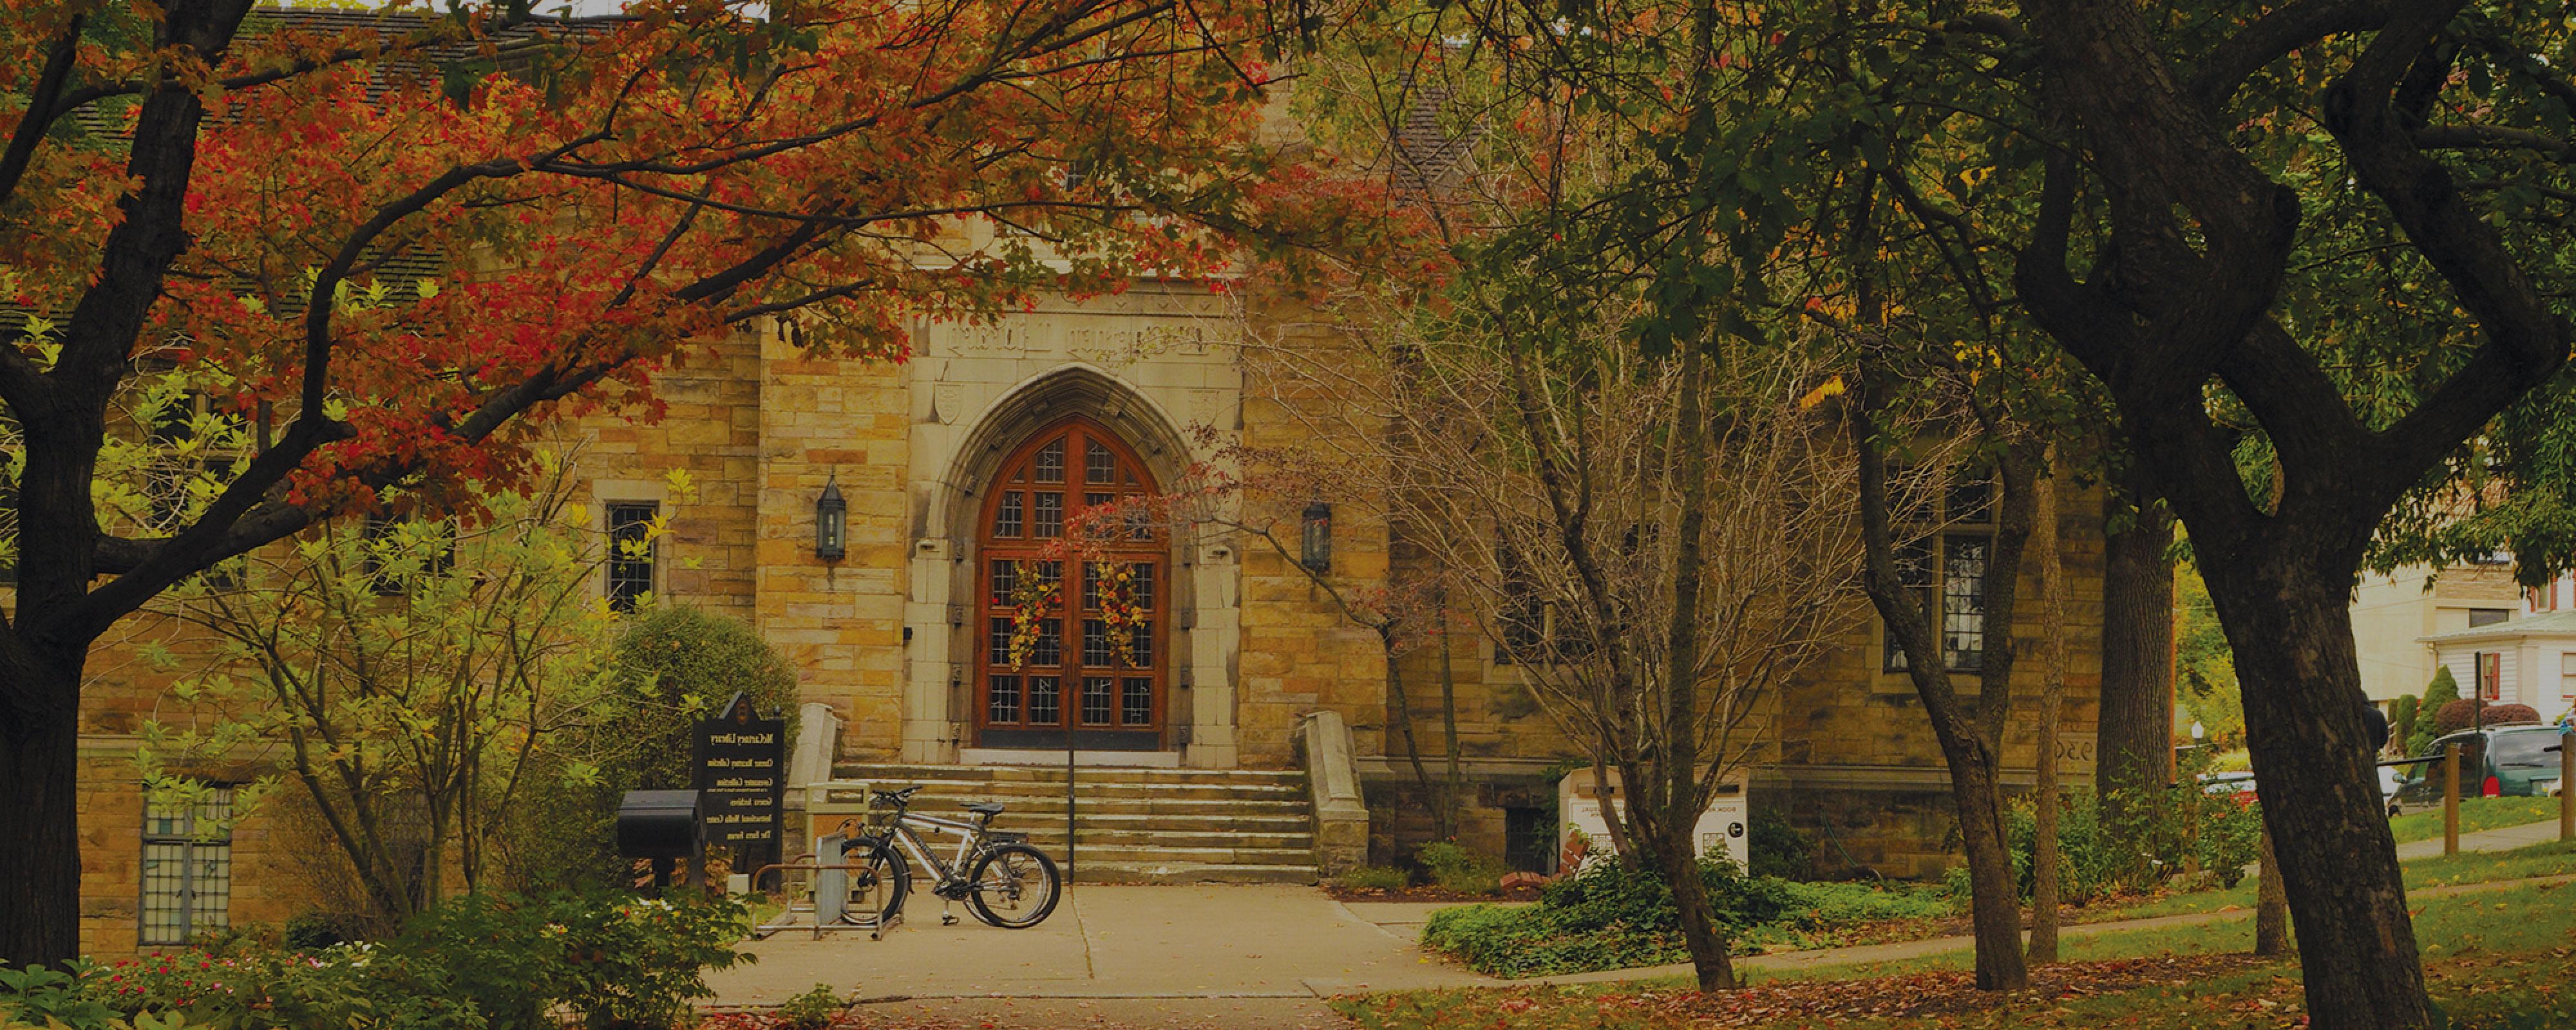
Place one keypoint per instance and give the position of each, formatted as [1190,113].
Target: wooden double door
[1072,592]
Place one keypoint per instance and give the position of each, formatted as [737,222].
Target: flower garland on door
[1034,597]
[1120,613]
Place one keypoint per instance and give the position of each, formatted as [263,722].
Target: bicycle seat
[983,808]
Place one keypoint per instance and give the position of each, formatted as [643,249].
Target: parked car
[2498,761]
[2239,785]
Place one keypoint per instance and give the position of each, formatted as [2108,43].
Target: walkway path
[1243,958]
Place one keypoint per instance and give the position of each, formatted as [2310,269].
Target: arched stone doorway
[1069,642]
[970,431]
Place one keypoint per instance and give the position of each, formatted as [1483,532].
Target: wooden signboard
[742,775]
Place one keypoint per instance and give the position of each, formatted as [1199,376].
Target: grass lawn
[2497,960]
[2475,814]
[2553,859]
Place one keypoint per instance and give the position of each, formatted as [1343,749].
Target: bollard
[2567,786]
[2450,799]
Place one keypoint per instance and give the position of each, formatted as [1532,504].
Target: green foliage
[2174,831]
[478,962]
[2441,691]
[1777,849]
[1455,868]
[39,996]
[812,1010]
[414,679]
[2203,664]
[2402,716]
[672,666]
[2466,712]
[1616,915]
[1374,878]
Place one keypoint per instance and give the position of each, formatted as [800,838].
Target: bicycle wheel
[879,883]
[1014,886]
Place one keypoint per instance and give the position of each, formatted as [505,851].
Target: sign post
[742,774]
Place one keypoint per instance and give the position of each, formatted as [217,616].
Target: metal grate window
[187,868]
[1006,581]
[1049,520]
[1097,700]
[630,553]
[1050,463]
[1099,465]
[1136,702]
[1963,602]
[997,644]
[1043,692]
[1006,519]
[1095,643]
[1140,649]
[1050,643]
[1004,702]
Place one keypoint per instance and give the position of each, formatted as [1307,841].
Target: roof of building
[2554,624]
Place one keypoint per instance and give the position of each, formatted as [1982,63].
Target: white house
[2527,661]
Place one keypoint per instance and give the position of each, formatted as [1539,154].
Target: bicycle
[1006,882]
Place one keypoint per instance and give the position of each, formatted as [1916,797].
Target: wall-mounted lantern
[1318,537]
[831,522]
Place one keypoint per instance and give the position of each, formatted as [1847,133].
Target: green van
[2498,761]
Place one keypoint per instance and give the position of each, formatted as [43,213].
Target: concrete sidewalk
[1253,957]
[2505,839]
[1107,942]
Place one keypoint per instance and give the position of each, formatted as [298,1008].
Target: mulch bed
[1934,995]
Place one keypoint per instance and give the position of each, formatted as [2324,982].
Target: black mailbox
[658,824]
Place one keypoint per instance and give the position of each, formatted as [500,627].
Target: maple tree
[379,250]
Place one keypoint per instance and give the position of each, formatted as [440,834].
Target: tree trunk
[40,826]
[1700,931]
[1994,899]
[2052,697]
[2271,908]
[2134,752]
[2287,623]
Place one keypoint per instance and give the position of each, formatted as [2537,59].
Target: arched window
[1092,658]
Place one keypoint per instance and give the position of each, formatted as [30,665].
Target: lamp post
[1316,543]
[831,522]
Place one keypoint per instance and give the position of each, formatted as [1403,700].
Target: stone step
[1000,790]
[1133,825]
[1008,777]
[1171,873]
[1016,811]
[1052,839]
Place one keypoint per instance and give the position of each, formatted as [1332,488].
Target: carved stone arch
[1201,603]
[1073,390]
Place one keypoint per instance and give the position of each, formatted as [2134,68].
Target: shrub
[2401,719]
[674,665]
[2441,691]
[2461,714]
[1374,878]
[1776,848]
[37,996]
[1455,868]
[477,962]
[812,1010]
[1617,914]
[2160,833]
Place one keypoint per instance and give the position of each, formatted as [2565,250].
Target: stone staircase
[1131,825]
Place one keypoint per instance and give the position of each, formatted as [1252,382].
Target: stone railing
[1333,782]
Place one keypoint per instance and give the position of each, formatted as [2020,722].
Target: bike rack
[827,892]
